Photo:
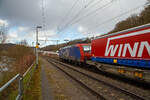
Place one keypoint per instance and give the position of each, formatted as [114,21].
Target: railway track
[99,97]
[122,93]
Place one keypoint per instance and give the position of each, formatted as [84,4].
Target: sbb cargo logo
[134,44]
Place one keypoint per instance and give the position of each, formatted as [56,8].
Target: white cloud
[47,33]
[21,29]
[13,35]
[82,29]
[17,14]
[3,22]
[16,34]
[42,34]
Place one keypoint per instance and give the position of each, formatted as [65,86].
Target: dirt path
[46,91]
[57,86]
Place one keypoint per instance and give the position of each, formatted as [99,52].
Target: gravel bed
[134,89]
[60,86]
[107,92]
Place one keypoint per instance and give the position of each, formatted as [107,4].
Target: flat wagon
[126,52]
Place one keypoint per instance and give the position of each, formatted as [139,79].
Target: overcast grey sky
[22,16]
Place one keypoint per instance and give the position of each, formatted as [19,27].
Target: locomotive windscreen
[87,48]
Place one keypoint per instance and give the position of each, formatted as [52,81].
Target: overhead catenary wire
[92,12]
[88,14]
[122,14]
[80,12]
[68,13]
[82,9]
[43,6]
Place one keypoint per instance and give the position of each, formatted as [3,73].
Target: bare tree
[23,42]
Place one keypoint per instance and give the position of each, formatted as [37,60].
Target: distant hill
[57,47]
[6,46]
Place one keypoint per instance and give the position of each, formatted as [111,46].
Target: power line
[96,3]
[68,13]
[89,14]
[44,18]
[80,11]
[117,16]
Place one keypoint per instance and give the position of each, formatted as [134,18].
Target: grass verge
[11,92]
[14,93]
[33,91]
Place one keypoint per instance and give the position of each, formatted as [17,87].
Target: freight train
[125,53]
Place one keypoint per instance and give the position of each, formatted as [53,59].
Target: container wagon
[125,53]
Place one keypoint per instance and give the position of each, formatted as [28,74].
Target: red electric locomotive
[78,53]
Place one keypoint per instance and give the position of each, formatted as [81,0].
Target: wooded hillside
[134,20]
[72,42]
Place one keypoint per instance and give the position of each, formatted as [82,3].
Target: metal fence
[20,78]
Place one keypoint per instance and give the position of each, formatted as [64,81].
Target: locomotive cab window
[87,48]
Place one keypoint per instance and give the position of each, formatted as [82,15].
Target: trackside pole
[37,46]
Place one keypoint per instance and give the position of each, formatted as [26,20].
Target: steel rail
[100,97]
[106,83]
